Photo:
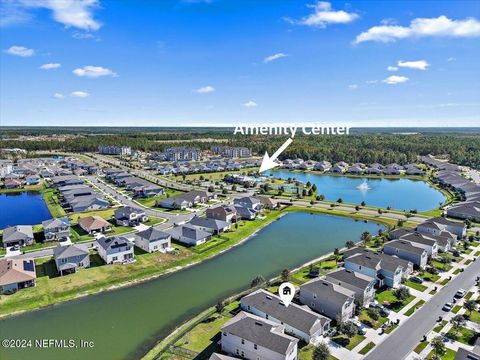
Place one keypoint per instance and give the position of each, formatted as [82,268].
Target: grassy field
[367,320]
[456,309]
[440,326]
[419,348]
[348,343]
[430,277]
[449,355]
[301,276]
[150,202]
[415,307]
[53,204]
[475,316]
[367,348]
[464,335]
[395,304]
[416,286]
[305,352]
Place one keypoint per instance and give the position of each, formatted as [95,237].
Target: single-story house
[69,258]
[16,274]
[189,234]
[299,321]
[251,337]
[94,224]
[17,235]
[151,240]
[213,226]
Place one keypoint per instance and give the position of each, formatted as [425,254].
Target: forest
[368,146]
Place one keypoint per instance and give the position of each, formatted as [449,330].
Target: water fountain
[363,186]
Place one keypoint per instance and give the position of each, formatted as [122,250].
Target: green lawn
[477,254]
[53,204]
[441,266]
[475,316]
[301,276]
[457,271]
[444,281]
[389,329]
[367,320]
[430,277]
[415,307]
[367,348]
[383,296]
[150,202]
[440,326]
[456,309]
[348,343]
[464,335]
[305,352]
[449,355]
[416,286]
[419,348]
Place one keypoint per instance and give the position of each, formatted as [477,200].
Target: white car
[460,293]
[447,307]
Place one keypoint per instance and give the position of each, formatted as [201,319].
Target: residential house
[88,203]
[362,285]
[266,202]
[94,224]
[251,337]
[408,251]
[435,226]
[216,356]
[186,200]
[213,226]
[329,299]
[189,235]
[427,242]
[12,184]
[322,166]
[152,240]
[56,229]
[469,210]
[130,216]
[115,249]
[17,235]
[32,180]
[224,213]
[245,213]
[69,258]
[299,321]
[16,274]
[248,202]
[387,270]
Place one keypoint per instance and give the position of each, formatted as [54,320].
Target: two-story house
[115,249]
[329,299]
[56,229]
[299,321]
[251,337]
[224,213]
[69,258]
[408,251]
[130,216]
[362,285]
[151,240]
[436,226]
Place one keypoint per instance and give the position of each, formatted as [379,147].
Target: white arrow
[269,162]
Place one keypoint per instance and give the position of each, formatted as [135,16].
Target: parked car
[359,326]
[460,293]
[447,307]
[416,279]
[383,310]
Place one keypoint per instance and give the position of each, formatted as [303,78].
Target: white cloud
[79,94]
[392,68]
[353,86]
[451,59]
[50,66]
[94,72]
[422,27]
[58,96]
[20,51]
[205,90]
[250,104]
[395,79]
[323,15]
[274,57]
[419,64]
[71,13]
[370,82]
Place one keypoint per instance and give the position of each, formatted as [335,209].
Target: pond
[125,323]
[400,194]
[22,208]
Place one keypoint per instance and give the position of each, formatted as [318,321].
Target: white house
[251,337]
[115,249]
[151,240]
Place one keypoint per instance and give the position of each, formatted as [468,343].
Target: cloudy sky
[227,62]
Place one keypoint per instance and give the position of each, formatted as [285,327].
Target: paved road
[403,340]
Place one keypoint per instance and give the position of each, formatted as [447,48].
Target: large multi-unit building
[115,150]
[232,152]
[182,154]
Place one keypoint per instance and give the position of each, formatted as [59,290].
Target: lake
[22,208]
[125,323]
[400,194]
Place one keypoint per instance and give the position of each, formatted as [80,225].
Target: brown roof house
[94,224]
[16,274]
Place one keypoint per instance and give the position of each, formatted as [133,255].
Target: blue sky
[226,62]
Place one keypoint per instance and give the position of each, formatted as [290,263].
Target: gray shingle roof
[351,277]
[209,223]
[19,232]
[152,234]
[260,331]
[325,289]
[296,316]
[63,252]
[113,242]
[406,246]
